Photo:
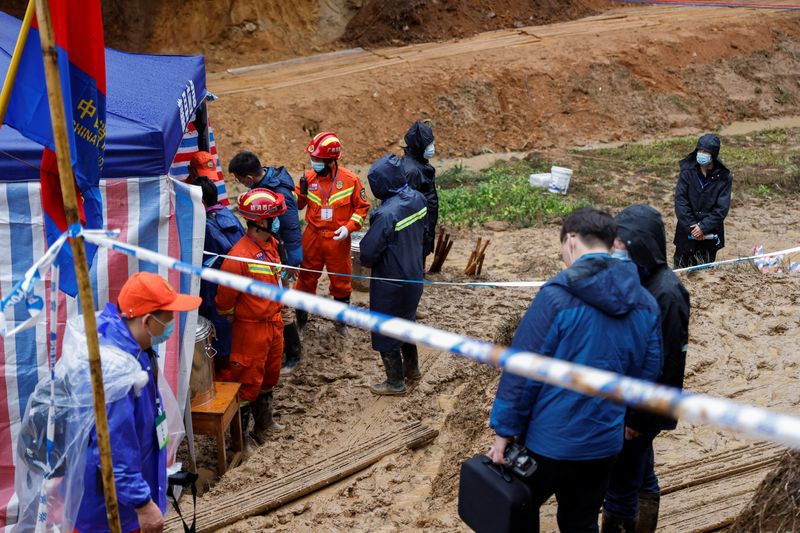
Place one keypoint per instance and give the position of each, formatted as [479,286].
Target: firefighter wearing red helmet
[337,206]
[257,337]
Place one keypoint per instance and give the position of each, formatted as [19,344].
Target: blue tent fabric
[149,102]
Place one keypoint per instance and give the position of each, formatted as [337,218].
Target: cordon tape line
[724,414]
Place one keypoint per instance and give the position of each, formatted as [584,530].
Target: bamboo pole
[58,118]
[13,67]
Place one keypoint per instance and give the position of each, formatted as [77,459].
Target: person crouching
[392,248]
[257,339]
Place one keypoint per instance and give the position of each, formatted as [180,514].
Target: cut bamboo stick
[244,504]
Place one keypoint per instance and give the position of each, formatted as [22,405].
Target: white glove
[341,233]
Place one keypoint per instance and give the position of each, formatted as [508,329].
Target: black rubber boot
[292,348]
[341,327]
[649,503]
[302,319]
[411,362]
[394,384]
[263,423]
[615,524]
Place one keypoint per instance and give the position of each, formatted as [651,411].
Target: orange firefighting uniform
[257,338]
[344,200]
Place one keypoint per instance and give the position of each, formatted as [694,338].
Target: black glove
[303,185]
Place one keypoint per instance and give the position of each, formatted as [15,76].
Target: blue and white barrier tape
[737,260]
[721,413]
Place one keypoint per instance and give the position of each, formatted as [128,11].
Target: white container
[559,179]
[540,180]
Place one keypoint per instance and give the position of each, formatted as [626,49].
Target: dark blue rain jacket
[421,176]
[278,179]
[223,230]
[594,313]
[393,246]
[140,468]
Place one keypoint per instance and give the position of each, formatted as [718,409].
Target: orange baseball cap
[146,292]
[205,165]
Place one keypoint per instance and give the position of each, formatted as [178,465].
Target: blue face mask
[276,225]
[703,158]
[430,150]
[318,166]
[621,254]
[169,329]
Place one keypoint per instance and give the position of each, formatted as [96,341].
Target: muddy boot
[244,413]
[272,425]
[262,417]
[394,384]
[411,362]
[649,502]
[341,327]
[292,348]
[302,319]
[615,524]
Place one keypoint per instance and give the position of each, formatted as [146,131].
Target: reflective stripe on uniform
[406,222]
[358,218]
[340,195]
[314,198]
[255,268]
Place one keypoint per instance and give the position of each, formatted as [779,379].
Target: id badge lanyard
[327,210]
[162,429]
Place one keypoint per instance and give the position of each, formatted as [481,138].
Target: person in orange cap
[203,164]
[337,205]
[257,339]
[143,318]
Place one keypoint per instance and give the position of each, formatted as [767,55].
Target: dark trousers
[633,473]
[579,487]
[701,253]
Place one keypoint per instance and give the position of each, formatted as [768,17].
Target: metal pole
[58,119]
[13,67]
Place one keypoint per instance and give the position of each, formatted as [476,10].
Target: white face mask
[430,150]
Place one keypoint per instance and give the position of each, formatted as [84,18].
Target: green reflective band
[406,222]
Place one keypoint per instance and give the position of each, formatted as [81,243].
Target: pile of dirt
[776,503]
[393,22]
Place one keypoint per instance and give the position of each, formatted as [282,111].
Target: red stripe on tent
[117,218]
[171,365]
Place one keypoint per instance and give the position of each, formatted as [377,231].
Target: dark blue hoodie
[278,179]
[421,176]
[594,313]
[393,245]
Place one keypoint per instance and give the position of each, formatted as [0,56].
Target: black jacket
[641,228]
[393,246]
[421,176]
[695,204]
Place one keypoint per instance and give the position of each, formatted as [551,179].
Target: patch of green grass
[502,193]
[763,190]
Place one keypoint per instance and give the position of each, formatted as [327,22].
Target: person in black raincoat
[392,248]
[633,492]
[702,201]
[421,176]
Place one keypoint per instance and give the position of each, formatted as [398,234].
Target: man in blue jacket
[702,201]
[247,169]
[143,318]
[223,230]
[392,248]
[421,176]
[594,313]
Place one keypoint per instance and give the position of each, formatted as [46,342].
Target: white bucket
[559,179]
[540,180]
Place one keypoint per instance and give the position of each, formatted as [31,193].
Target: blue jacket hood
[603,282]
[386,177]
[113,330]
[417,138]
[275,177]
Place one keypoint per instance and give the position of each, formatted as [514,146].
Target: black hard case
[492,499]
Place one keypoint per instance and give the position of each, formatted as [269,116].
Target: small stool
[215,415]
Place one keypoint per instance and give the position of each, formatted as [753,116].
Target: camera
[519,461]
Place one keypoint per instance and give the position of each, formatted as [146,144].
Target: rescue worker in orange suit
[257,338]
[337,205]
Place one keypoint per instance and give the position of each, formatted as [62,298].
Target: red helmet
[258,204]
[325,145]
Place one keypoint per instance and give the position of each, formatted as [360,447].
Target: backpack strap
[184,479]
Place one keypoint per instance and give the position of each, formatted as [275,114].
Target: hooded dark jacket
[702,201]
[595,313]
[641,228]
[392,246]
[421,176]
[277,179]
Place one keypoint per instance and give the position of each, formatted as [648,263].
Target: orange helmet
[258,204]
[325,145]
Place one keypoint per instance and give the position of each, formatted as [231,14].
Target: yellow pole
[58,117]
[11,75]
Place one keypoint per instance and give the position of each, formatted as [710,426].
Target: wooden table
[215,415]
